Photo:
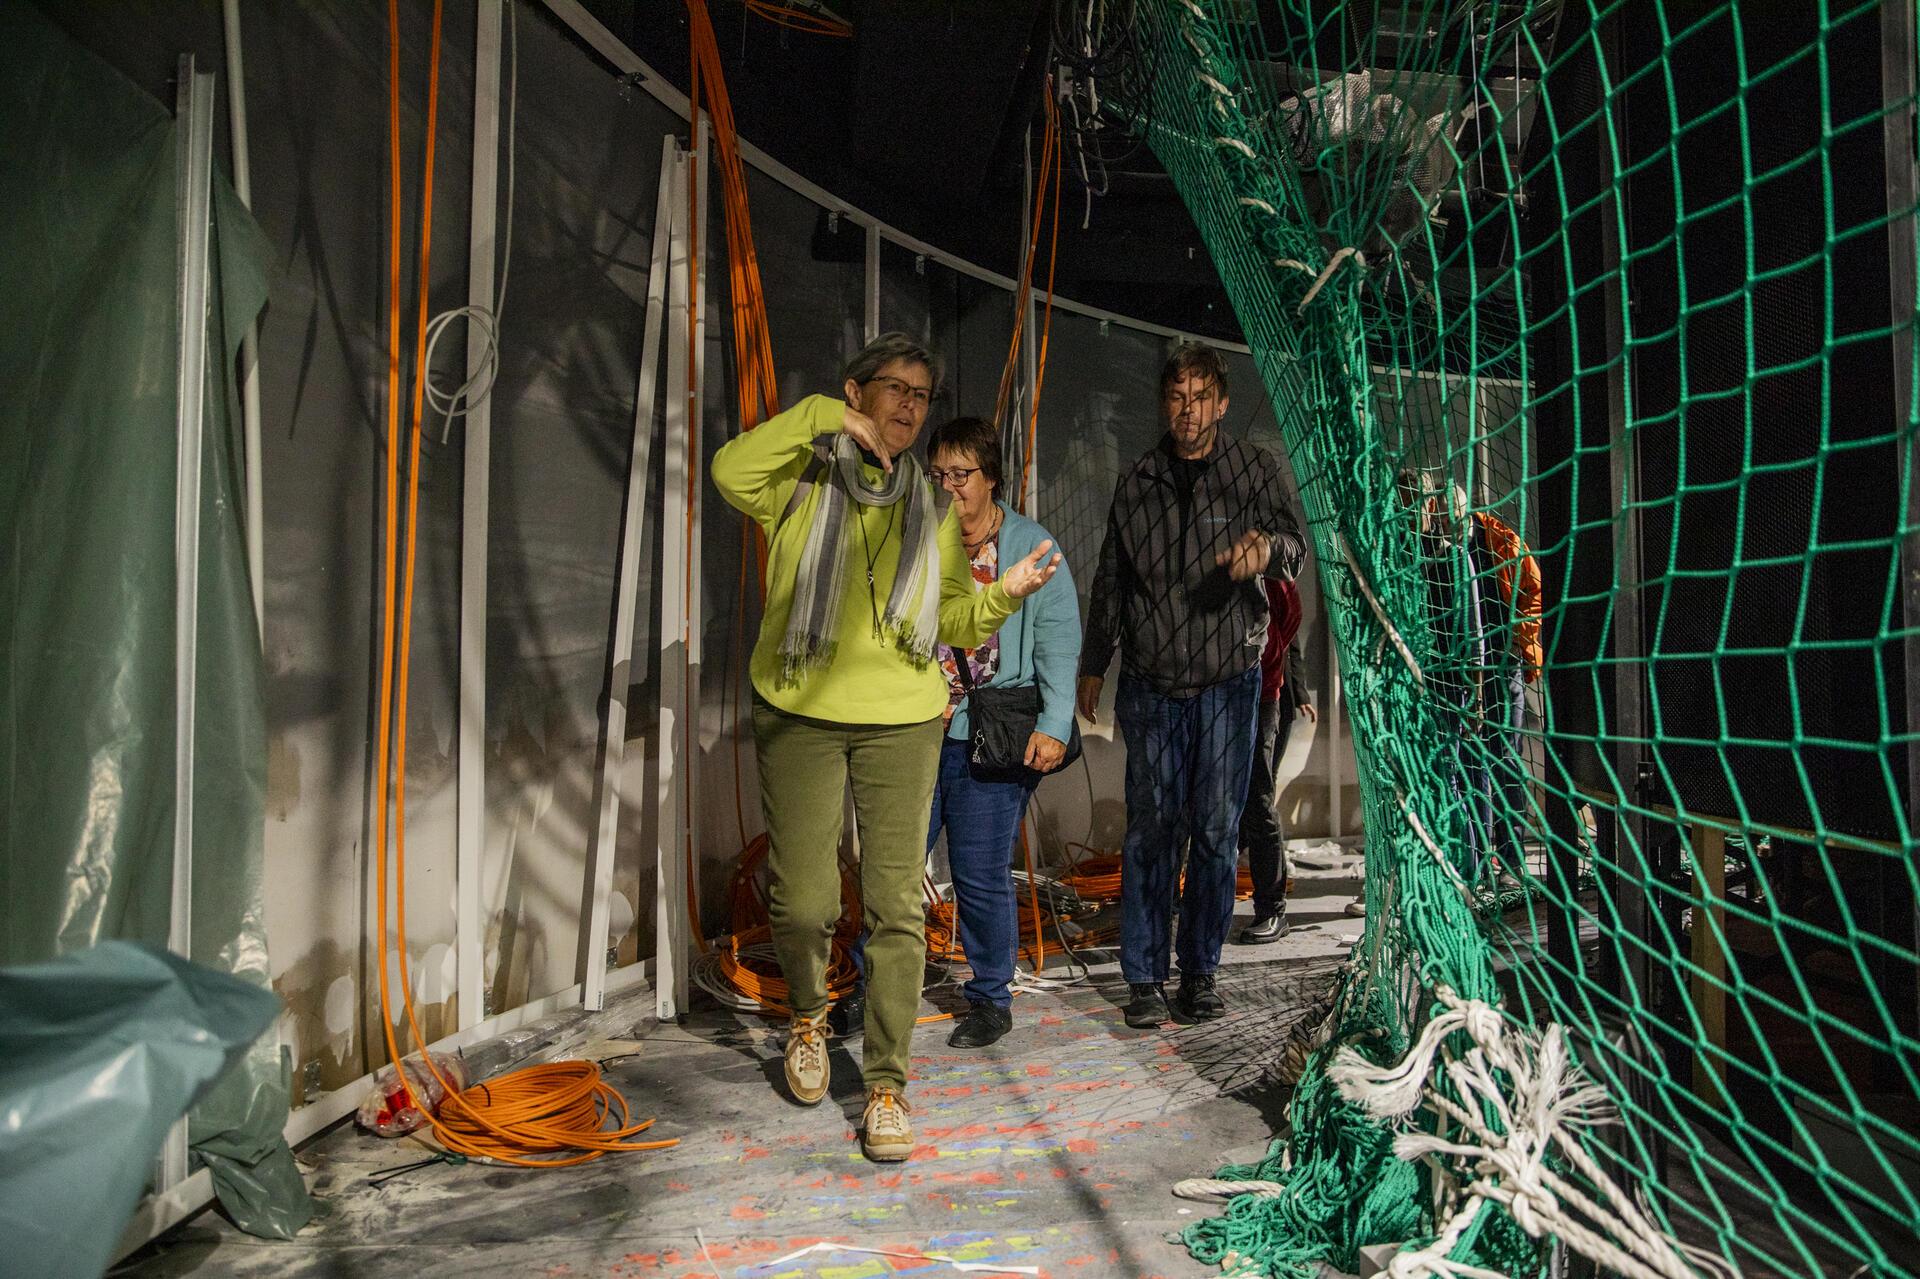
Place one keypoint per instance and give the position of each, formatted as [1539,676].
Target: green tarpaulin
[89,334]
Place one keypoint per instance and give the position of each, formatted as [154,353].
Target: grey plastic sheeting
[89,335]
[100,1052]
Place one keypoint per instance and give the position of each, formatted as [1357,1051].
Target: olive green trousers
[805,768]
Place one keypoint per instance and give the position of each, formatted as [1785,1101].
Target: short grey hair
[884,350]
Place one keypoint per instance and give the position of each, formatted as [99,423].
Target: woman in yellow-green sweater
[864,579]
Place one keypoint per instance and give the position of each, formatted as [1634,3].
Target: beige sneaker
[1356,909]
[887,1135]
[807,1058]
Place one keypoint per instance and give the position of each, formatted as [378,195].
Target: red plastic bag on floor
[395,1107]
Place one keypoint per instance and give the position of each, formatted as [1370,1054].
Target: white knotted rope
[1522,1101]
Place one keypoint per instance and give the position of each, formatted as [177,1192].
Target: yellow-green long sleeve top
[870,680]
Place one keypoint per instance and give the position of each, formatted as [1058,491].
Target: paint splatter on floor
[1055,1148]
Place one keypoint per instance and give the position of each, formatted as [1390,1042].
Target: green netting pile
[1616,284]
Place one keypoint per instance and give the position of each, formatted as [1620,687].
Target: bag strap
[961,669]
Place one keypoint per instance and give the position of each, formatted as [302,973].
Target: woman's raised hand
[1033,572]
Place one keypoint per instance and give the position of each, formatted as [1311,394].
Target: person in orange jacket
[1516,577]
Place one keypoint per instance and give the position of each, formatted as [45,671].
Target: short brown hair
[884,350]
[1191,358]
[975,437]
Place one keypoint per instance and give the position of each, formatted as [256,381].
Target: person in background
[1039,646]
[1283,698]
[864,580]
[1193,523]
[1515,598]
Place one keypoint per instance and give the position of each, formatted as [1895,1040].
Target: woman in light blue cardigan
[1039,646]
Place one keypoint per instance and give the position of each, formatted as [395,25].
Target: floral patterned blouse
[982,662]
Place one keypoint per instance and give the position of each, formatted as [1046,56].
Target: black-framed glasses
[953,477]
[920,395]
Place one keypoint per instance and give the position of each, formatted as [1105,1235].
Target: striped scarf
[912,615]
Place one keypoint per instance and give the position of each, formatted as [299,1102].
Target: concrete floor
[1056,1149]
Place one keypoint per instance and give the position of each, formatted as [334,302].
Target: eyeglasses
[954,477]
[920,395]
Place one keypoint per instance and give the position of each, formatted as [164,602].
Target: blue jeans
[1188,762]
[981,815]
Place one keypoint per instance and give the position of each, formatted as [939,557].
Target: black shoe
[1198,1000]
[984,1023]
[849,1016]
[1266,928]
[1148,1007]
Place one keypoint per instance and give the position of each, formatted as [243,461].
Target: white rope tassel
[1522,1101]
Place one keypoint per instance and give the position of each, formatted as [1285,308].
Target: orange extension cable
[793,19]
[542,1116]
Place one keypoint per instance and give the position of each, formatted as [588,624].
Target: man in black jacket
[1194,524]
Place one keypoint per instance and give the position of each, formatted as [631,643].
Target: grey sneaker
[886,1133]
[807,1058]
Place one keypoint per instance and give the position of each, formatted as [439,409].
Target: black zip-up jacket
[1179,621]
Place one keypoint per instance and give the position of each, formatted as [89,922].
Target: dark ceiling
[921,119]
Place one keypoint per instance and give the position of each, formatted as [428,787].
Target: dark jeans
[981,815]
[1263,833]
[1187,764]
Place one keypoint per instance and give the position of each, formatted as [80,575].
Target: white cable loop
[464,398]
[1237,145]
[1255,202]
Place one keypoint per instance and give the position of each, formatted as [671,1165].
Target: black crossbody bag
[1000,720]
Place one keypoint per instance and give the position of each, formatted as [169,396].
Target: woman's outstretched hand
[1031,573]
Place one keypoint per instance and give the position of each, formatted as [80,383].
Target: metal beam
[675,739]
[1628,725]
[871,324]
[1029,359]
[1898,77]
[1335,708]
[249,341]
[194,205]
[627,592]
[477,439]
[701,169]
